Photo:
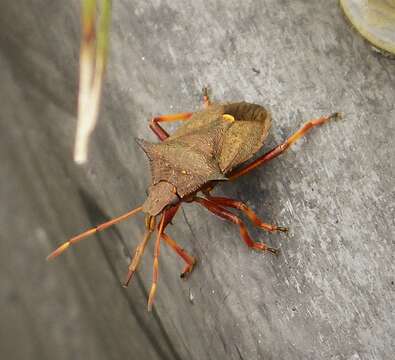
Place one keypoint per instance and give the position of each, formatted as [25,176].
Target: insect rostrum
[210,146]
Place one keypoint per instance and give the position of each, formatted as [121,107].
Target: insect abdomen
[246,135]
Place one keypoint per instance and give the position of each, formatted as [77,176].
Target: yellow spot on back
[228,117]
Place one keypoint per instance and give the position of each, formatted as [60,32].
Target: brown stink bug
[211,146]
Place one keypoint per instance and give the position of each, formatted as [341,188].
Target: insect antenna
[94,230]
[155,273]
[150,227]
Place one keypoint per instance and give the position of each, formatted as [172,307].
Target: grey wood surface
[329,295]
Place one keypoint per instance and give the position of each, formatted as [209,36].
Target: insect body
[211,146]
[204,150]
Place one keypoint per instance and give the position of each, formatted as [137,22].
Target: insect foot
[281,229]
[274,251]
[337,116]
[264,247]
[188,268]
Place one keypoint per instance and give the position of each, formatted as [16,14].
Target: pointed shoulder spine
[147,147]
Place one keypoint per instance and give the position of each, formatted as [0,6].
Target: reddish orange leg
[94,230]
[206,98]
[190,260]
[247,211]
[155,272]
[158,130]
[150,227]
[282,147]
[227,215]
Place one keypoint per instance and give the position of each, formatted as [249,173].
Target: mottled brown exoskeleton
[210,147]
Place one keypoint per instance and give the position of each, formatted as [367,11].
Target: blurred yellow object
[374,19]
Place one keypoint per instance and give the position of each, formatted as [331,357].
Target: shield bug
[210,146]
